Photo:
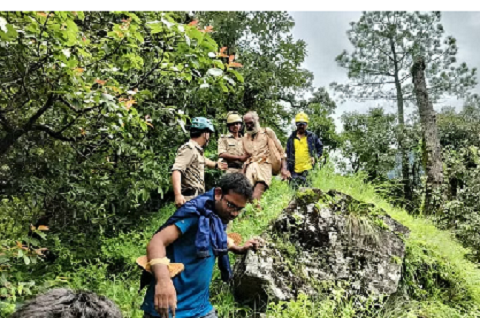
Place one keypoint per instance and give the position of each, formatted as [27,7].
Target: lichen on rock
[318,240]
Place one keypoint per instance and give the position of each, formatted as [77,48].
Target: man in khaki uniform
[258,168]
[230,146]
[189,168]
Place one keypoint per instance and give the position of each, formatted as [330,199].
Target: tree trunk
[434,166]
[407,189]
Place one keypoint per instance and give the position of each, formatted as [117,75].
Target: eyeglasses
[232,206]
[301,124]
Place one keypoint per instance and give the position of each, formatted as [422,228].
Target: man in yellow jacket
[304,149]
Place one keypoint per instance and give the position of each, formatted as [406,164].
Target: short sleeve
[183,158]
[186,224]
[222,146]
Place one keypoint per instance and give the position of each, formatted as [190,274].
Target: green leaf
[218,64]
[237,75]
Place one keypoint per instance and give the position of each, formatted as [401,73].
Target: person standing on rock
[194,236]
[259,143]
[230,146]
[304,149]
[188,171]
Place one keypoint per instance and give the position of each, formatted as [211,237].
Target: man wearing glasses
[230,146]
[304,149]
[195,236]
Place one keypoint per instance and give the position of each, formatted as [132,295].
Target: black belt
[189,192]
[235,165]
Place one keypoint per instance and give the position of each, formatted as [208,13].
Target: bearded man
[258,168]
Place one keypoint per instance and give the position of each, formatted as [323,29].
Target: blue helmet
[202,123]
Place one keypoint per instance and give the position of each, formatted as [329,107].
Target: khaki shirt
[258,146]
[190,161]
[228,144]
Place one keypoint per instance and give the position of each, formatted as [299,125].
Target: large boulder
[321,239]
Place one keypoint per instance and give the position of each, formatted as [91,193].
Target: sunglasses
[301,124]
[232,206]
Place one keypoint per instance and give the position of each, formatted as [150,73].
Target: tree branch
[54,134]
[15,134]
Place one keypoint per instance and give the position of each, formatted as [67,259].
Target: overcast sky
[325,35]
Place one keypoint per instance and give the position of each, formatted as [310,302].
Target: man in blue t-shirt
[194,235]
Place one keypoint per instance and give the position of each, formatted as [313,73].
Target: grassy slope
[119,280]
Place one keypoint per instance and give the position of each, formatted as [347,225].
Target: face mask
[254,131]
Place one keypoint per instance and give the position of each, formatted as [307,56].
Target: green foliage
[320,109]
[92,108]
[385,44]
[271,61]
[435,266]
[369,142]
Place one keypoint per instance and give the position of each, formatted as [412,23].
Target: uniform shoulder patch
[186,145]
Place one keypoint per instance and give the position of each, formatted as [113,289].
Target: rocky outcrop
[321,239]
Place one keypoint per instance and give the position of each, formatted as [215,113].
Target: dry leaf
[129,103]
[222,52]
[79,70]
[43,228]
[175,269]
[209,29]
[43,14]
[195,22]
[40,250]
[142,261]
[235,64]
[33,228]
[100,82]
[231,58]
[237,238]
[19,244]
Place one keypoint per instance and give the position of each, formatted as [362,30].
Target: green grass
[438,281]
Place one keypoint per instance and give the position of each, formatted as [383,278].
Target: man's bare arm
[177,188]
[165,298]
[211,164]
[230,157]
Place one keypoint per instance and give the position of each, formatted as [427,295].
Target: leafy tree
[262,42]
[90,108]
[368,142]
[385,44]
[459,135]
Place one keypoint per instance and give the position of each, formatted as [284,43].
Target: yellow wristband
[162,260]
